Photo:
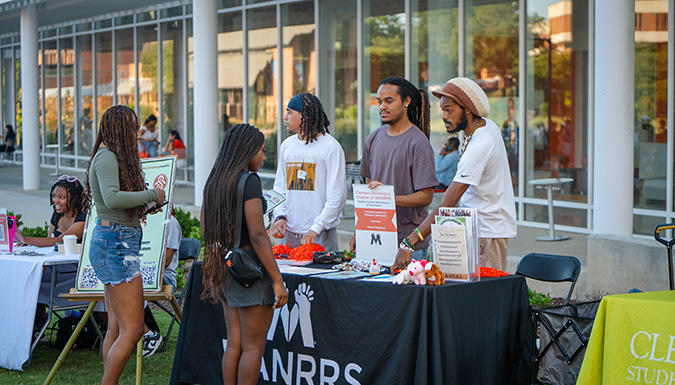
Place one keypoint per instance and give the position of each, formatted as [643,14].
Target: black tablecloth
[356,332]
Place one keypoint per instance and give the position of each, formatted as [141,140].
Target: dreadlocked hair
[418,109]
[75,191]
[117,131]
[242,142]
[314,120]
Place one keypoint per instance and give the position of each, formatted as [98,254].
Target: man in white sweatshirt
[311,176]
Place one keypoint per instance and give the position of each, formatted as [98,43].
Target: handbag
[244,268]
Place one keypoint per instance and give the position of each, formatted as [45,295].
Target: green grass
[83,366]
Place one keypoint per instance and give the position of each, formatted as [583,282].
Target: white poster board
[159,173]
[375,224]
[455,243]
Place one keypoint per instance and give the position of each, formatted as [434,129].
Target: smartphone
[155,207]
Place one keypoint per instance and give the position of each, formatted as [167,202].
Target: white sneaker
[151,343]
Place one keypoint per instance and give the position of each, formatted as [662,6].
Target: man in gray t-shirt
[399,154]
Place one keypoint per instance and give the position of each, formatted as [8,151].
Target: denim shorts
[114,252]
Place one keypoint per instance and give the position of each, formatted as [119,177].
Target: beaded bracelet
[405,247]
[408,243]
[419,233]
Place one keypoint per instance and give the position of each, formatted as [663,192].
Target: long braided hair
[314,119]
[242,142]
[418,109]
[117,132]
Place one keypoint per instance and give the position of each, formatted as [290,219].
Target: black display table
[358,332]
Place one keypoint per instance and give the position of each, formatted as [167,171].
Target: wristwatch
[280,217]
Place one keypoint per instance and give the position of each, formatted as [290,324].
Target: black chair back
[189,249]
[551,268]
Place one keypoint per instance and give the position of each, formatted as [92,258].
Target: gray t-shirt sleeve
[423,165]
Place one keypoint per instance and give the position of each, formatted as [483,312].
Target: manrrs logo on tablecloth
[299,314]
[302,366]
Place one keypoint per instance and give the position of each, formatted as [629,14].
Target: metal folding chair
[550,268]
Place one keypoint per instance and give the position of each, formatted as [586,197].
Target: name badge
[302,174]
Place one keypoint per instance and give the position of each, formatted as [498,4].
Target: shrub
[538,299]
[39,231]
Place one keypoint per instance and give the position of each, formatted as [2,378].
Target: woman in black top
[68,216]
[248,311]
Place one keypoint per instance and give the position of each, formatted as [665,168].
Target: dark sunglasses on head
[69,178]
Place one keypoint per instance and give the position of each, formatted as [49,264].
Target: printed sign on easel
[159,174]
[376,233]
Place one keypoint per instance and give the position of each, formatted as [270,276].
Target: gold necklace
[467,138]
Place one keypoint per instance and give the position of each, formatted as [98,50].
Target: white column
[206,139]
[30,114]
[614,89]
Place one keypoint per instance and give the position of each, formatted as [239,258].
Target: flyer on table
[375,213]
[159,174]
[449,246]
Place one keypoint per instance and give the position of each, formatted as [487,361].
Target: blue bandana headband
[295,104]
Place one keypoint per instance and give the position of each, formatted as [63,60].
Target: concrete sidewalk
[36,211]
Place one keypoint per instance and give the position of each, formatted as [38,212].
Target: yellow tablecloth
[632,341]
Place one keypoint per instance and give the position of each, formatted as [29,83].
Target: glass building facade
[532,57]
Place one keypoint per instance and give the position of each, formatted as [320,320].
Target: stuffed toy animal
[413,273]
[433,274]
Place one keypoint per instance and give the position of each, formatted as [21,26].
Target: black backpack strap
[239,208]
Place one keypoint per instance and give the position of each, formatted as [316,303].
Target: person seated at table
[152,338]
[68,218]
[175,146]
[68,215]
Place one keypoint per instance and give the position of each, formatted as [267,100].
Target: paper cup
[70,244]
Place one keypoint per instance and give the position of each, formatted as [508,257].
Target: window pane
[228,3]
[384,56]
[85,82]
[67,128]
[8,89]
[230,71]
[190,89]
[262,79]
[434,54]
[125,69]
[148,72]
[556,144]
[51,59]
[299,61]
[173,80]
[17,91]
[339,93]
[492,61]
[104,74]
[651,108]
[561,215]
[645,225]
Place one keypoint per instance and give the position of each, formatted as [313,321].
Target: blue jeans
[419,255]
[150,146]
[114,252]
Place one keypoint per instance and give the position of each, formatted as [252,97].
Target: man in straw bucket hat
[483,178]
